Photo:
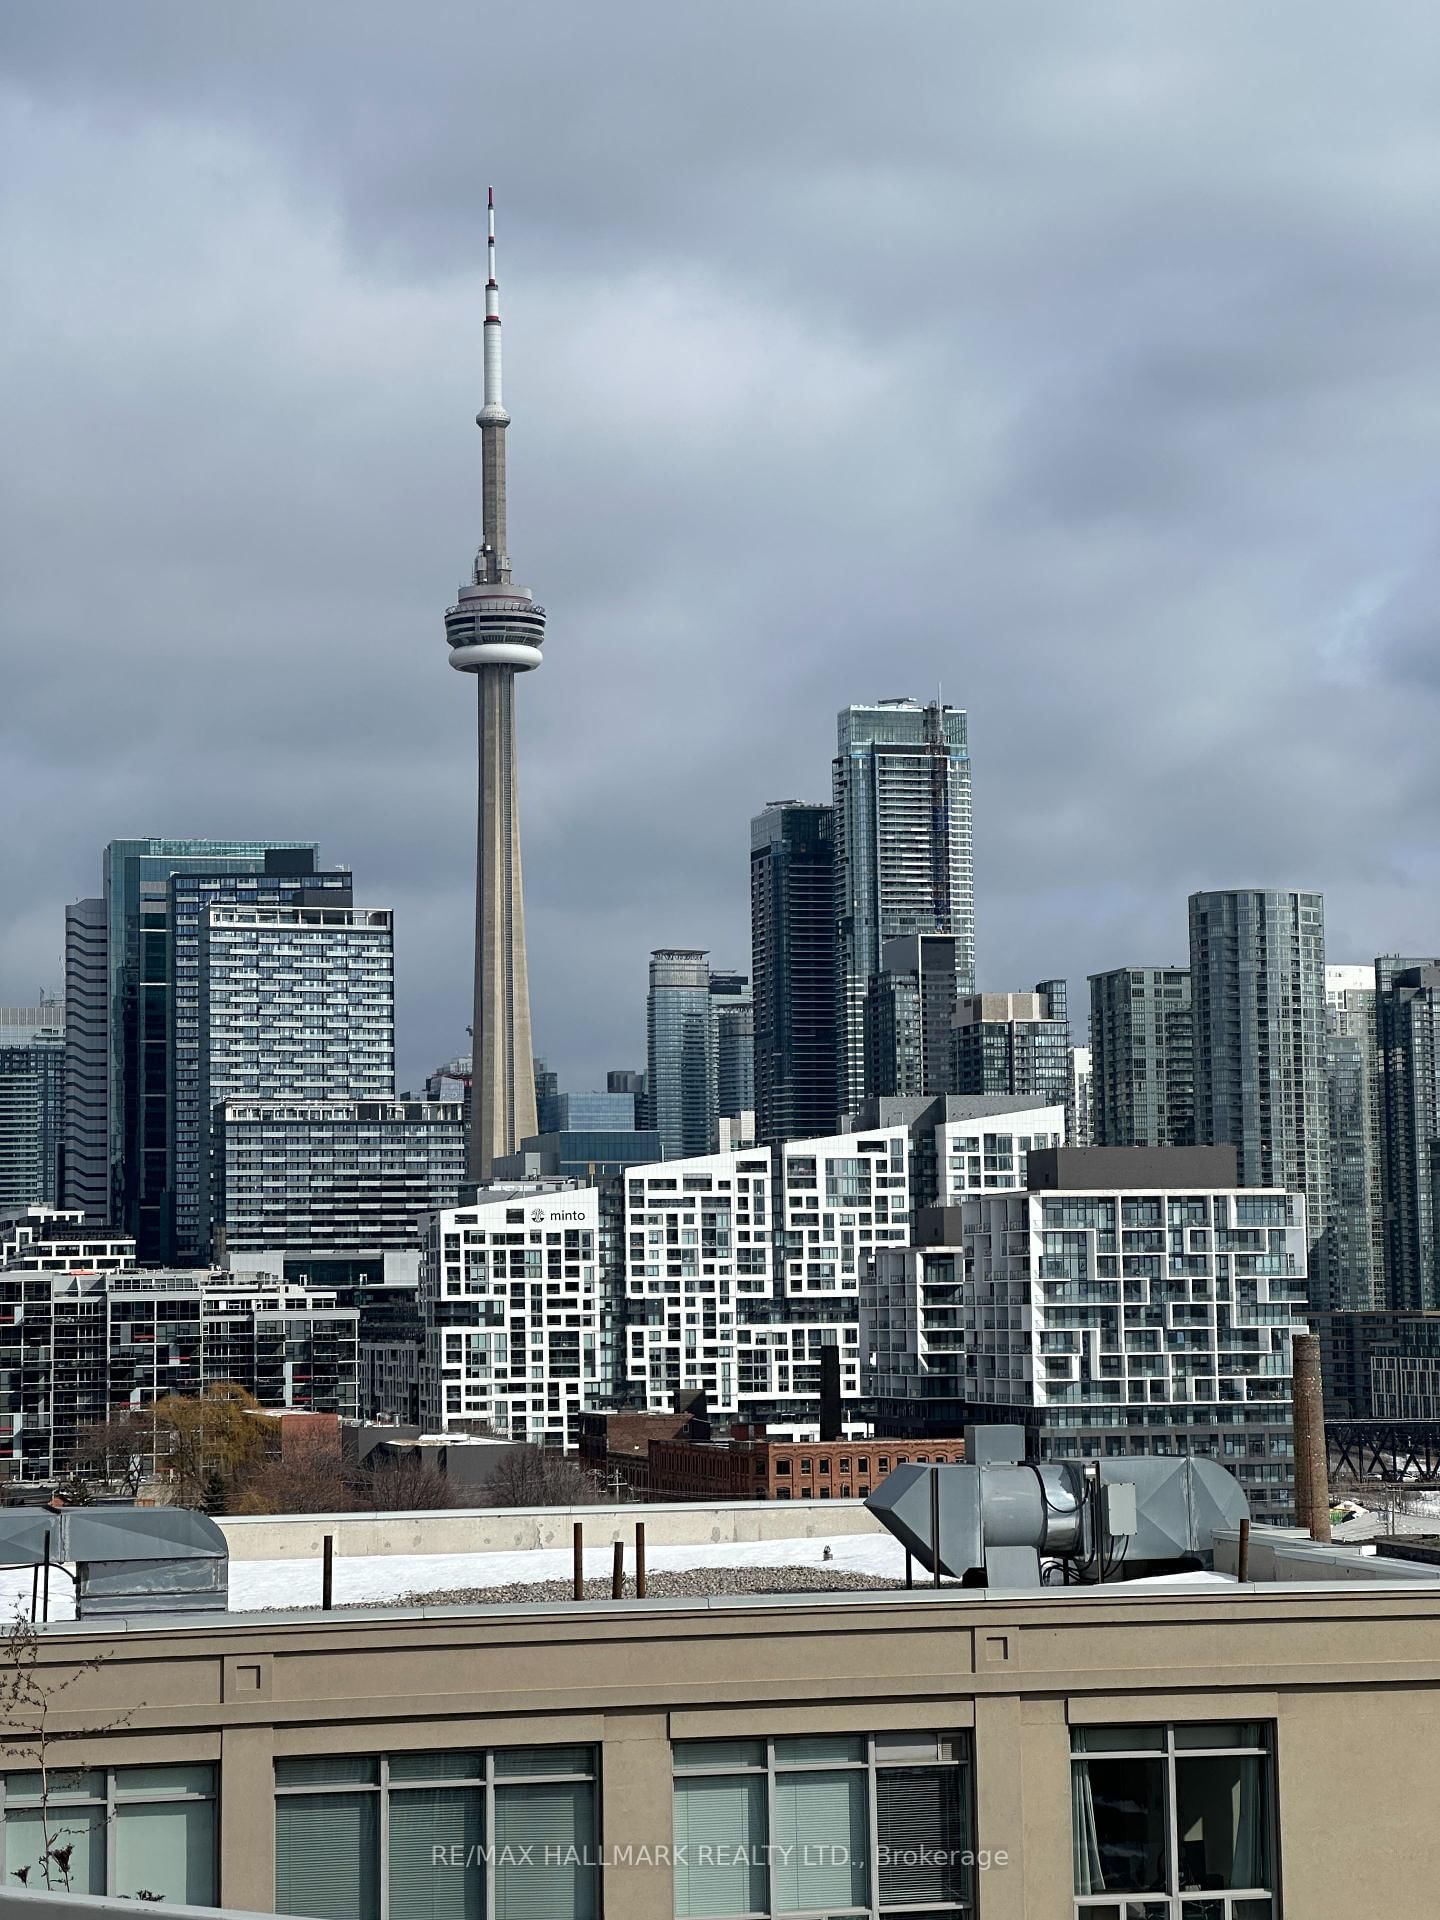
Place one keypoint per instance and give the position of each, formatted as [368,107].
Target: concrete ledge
[1287,1555]
[509,1529]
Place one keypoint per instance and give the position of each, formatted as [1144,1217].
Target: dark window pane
[719,1753]
[522,1762]
[1221,1817]
[1117,1739]
[816,1749]
[920,1837]
[327,1770]
[1118,1814]
[437,1766]
[1229,1733]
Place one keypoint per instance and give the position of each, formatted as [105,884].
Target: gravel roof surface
[688,1583]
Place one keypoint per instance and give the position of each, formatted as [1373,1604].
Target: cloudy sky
[1082,360]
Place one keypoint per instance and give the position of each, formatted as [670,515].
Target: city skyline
[1058,539]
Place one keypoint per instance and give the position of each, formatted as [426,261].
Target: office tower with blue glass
[32,1104]
[792,948]
[903,855]
[547,1092]
[1142,1057]
[680,1046]
[138,1025]
[1257,987]
[574,1112]
[495,632]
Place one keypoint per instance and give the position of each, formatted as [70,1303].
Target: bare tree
[408,1486]
[307,1476]
[29,1691]
[541,1477]
[115,1452]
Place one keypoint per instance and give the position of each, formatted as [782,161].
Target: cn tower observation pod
[494,624]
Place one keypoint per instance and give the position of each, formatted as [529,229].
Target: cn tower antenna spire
[492,420]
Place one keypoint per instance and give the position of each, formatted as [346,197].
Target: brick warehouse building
[783,1469]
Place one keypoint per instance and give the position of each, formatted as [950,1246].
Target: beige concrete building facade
[1334,1687]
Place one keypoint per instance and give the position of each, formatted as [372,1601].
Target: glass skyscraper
[32,1104]
[1354,1249]
[1013,1043]
[903,854]
[85,1158]
[792,936]
[908,1010]
[1257,984]
[137,912]
[680,1044]
[296,1003]
[1407,1010]
[287,879]
[1142,1057]
[733,1013]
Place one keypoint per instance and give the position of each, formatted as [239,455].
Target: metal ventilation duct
[995,1516]
[126,1559]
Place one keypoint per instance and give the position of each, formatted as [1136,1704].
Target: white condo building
[513,1313]
[988,1150]
[1106,1318]
[741,1267]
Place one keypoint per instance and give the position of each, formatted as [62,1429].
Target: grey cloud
[1081,359]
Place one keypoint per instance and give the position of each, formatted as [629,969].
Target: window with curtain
[1180,1815]
[455,1835]
[863,1824]
[122,1831]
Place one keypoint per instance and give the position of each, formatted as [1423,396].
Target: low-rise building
[615,1442]
[768,1469]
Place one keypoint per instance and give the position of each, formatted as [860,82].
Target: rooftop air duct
[990,1521]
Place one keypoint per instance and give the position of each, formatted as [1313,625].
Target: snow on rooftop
[381,1579]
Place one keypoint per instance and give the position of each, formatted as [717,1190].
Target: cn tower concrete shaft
[503,1083]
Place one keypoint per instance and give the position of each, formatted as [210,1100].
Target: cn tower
[495,632]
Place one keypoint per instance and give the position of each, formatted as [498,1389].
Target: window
[128,1831]
[508,1835]
[1170,1811]
[833,1824]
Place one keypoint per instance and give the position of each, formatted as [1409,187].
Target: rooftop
[276,1563]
